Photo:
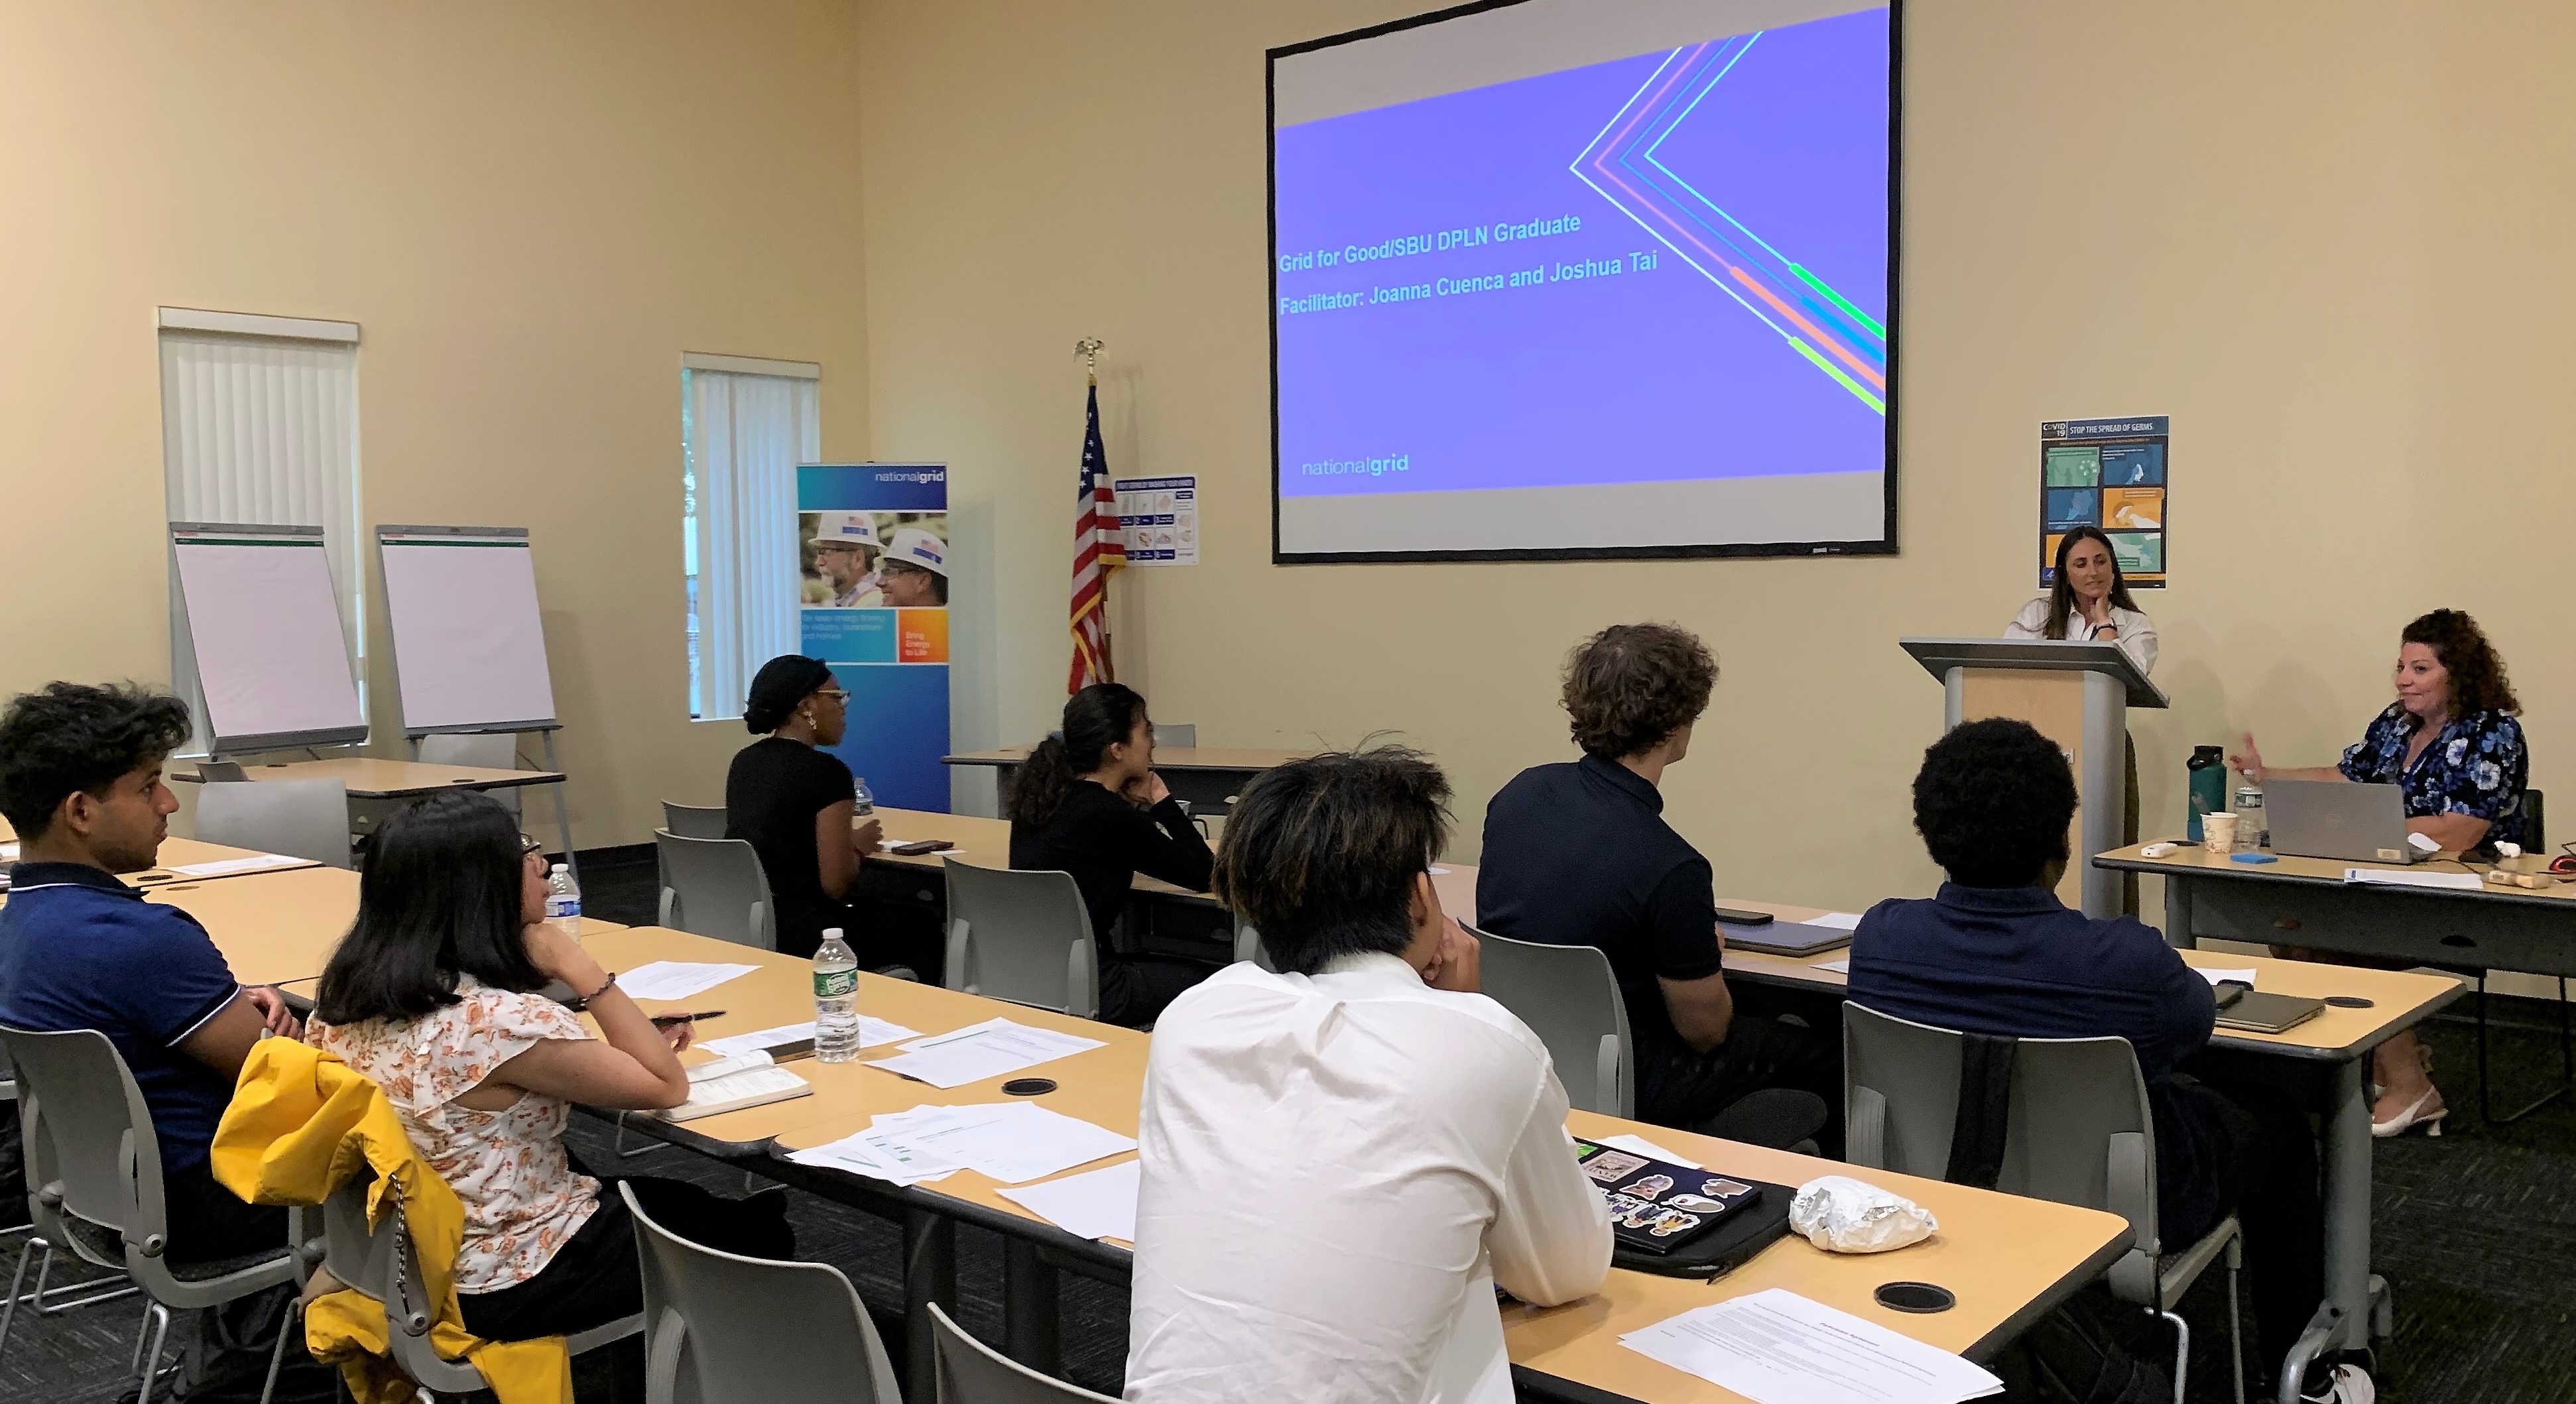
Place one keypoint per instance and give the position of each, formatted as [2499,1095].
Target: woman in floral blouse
[2452,744]
[433,995]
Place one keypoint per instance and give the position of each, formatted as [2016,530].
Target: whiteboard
[469,649]
[263,619]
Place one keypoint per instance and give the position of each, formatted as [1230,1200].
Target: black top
[2017,962]
[772,793]
[1579,855]
[1104,842]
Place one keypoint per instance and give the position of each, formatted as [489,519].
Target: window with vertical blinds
[744,430]
[259,425]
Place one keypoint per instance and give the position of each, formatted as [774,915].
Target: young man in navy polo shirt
[1579,855]
[1995,952]
[80,780]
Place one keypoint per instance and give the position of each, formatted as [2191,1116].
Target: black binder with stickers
[1679,1222]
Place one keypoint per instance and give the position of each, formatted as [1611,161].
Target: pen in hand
[663,1021]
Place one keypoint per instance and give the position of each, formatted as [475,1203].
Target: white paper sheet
[1839,967]
[994,1048]
[1839,921]
[257,862]
[874,1154]
[871,1033]
[1093,1204]
[2214,975]
[1639,1145]
[1012,1142]
[8,853]
[2407,877]
[677,979]
[1777,1347]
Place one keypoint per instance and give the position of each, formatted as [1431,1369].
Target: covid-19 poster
[872,555]
[2110,474]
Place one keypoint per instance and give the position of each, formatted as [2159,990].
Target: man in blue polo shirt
[1579,855]
[80,780]
[1995,952]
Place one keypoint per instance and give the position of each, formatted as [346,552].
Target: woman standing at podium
[2087,601]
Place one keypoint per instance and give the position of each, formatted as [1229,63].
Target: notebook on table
[1657,1206]
[2253,1012]
[1784,938]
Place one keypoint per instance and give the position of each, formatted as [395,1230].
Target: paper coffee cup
[2218,831]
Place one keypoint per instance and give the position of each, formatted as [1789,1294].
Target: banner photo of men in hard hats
[872,563]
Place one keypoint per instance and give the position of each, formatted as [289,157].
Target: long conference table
[2008,1260]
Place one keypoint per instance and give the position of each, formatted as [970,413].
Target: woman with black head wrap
[789,798]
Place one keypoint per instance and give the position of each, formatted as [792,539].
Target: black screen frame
[1886,545]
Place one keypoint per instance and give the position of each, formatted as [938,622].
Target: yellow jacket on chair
[301,1125]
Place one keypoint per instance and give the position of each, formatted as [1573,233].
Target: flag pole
[1089,350]
[1094,559]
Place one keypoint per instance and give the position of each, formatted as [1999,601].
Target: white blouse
[2137,632]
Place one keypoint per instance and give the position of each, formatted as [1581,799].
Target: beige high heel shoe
[2415,1115]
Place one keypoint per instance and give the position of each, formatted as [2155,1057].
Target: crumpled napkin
[1842,1215]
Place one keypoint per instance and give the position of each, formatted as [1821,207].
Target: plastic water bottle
[862,798]
[563,900]
[836,1000]
[2250,828]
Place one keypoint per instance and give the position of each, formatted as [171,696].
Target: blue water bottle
[2208,788]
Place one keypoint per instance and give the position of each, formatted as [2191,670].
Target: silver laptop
[2337,819]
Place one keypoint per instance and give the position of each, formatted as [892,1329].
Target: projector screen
[1586,278]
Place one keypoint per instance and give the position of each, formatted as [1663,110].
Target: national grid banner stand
[872,551]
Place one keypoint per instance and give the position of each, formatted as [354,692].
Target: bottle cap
[563,867]
[831,933]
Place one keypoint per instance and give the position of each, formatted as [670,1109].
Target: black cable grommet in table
[1921,1298]
[2350,1002]
[1029,1086]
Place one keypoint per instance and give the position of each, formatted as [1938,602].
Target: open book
[731,1084]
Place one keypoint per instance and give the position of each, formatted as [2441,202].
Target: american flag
[1098,548]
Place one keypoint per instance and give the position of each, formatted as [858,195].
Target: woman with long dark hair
[434,996]
[2455,749]
[790,798]
[1089,803]
[2088,600]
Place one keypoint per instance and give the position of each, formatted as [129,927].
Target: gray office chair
[1022,936]
[1179,735]
[2077,1130]
[304,818]
[483,750]
[1570,999]
[214,772]
[971,1372]
[694,820]
[714,1322]
[375,1262]
[715,887]
[94,1180]
[39,1250]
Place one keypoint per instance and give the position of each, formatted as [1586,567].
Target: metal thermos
[2208,789]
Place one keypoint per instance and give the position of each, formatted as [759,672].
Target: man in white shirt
[1343,1160]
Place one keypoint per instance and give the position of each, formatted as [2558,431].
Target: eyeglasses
[837,694]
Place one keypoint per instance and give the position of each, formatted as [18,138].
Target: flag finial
[1089,350]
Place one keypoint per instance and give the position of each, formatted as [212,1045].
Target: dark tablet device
[1729,916]
[1788,938]
[2242,1008]
[918,847]
[1655,1205]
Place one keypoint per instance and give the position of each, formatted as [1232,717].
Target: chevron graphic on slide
[1621,165]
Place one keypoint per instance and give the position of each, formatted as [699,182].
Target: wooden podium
[2076,694]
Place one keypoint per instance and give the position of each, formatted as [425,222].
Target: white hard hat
[913,546]
[848,529]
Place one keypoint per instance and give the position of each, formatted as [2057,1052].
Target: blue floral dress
[2478,766]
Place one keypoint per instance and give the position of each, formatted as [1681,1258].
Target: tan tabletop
[1165,757]
[847,1095]
[2007,1259]
[2399,999]
[179,852]
[6,833]
[370,778]
[2196,858]
[278,928]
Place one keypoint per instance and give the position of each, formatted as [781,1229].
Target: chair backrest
[971,1372]
[725,1329]
[2535,829]
[1570,998]
[89,1144]
[715,887]
[694,820]
[215,772]
[1247,946]
[484,750]
[1023,936]
[375,1261]
[2078,1129]
[304,818]
[1178,735]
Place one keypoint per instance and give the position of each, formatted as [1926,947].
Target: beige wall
[531,210]
[2328,238]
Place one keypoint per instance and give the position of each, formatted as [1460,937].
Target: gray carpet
[2476,1231]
